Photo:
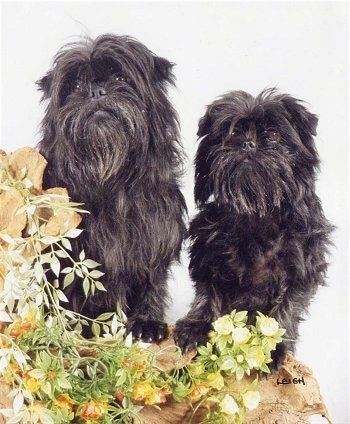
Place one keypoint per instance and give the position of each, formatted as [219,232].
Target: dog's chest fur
[244,253]
[257,247]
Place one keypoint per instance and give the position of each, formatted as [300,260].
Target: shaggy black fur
[260,238]
[111,137]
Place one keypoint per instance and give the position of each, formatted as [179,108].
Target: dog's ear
[203,183]
[163,70]
[44,84]
[303,121]
[204,124]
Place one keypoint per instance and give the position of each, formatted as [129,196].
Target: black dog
[260,238]
[111,137]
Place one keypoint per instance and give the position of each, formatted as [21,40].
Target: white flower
[255,357]
[251,399]
[240,359]
[268,326]
[240,334]
[223,325]
[228,405]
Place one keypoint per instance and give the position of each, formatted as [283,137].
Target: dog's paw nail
[149,331]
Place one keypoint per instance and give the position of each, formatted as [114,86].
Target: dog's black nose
[97,92]
[248,145]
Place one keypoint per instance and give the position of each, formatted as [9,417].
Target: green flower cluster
[56,376]
[237,348]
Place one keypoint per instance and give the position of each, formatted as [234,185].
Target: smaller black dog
[260,238]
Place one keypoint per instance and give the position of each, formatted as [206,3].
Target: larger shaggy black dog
[111,137]
[260,238]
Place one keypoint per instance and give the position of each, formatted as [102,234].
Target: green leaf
[265,368]
[45,359]
[204,351]
[221,342]
[66,244]
[280,333]
[64,383]
[68,279]
[105,316]
[45,417]
[180,391]
[62,297]
[37,373]
[95,328]
[82,255]
[99,286]
[91,264]
[240,316]
[228,364]
[86,287]
[39,299]
[50,240]
[122,375]
[38,271]
[73,233]
[61,253]
[96,274]
[239,373]
[55,267]
[79,273]
[46,387]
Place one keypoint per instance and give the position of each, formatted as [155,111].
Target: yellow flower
[241,335]
[10,372]
[251,399]
[93,410]
[64,402]
[268,326]
[216,380]
[4,343]
[197,369]
[143,390]
[158,396]
[223,325]
[198,391]
[31,383]
[15,329]
[228,405]
[255,357]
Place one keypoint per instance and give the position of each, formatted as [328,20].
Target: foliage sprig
[57,376]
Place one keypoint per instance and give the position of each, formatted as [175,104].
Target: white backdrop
[300,47]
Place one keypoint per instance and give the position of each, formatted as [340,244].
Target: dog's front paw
[148,331]
[189,334]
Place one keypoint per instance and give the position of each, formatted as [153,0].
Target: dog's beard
[104,135]
[253,184]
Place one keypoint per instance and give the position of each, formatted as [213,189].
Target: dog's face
[102,96]
[256,154]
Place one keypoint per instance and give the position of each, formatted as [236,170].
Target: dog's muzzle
[248,145]
[97,92]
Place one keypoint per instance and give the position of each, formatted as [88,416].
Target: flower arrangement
[57,376]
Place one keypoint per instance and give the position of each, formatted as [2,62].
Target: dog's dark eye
[235,132]
[272,135]
[120,78]
[77,86]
